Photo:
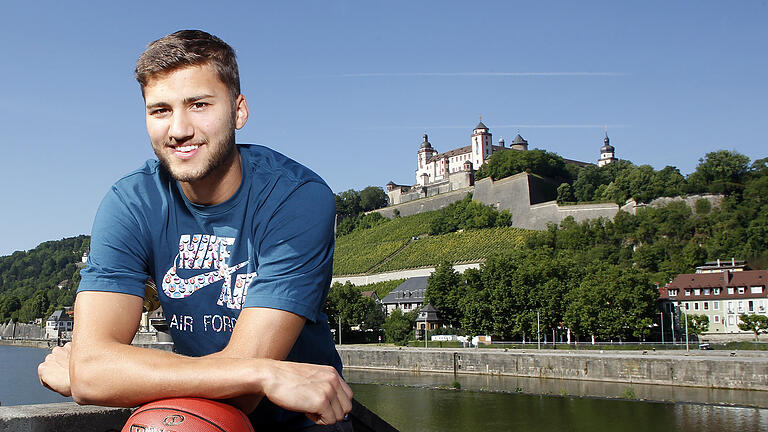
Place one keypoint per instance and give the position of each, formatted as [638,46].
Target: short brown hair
[186,48]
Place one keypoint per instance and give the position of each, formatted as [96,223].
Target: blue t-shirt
[270,245]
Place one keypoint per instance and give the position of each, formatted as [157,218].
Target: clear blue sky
[349,87]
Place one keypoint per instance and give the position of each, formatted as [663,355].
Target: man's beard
[221,153]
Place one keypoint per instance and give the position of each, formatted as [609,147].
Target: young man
[240,241]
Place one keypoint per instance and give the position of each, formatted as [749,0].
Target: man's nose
[181,128]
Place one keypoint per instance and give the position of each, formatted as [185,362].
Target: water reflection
[560,387]
[428,410]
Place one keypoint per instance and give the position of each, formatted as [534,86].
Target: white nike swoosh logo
[177,288]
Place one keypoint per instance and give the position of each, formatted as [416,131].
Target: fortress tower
[607,153]
[425,171]
[482,144]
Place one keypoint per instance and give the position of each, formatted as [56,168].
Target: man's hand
[54,371]
[316,390]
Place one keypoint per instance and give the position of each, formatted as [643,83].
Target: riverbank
[29,343]
[717,370]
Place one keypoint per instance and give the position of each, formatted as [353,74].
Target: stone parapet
[713,370]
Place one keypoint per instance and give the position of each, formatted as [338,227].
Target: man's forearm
[123,375]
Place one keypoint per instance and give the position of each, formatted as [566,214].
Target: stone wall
[66,416]
[750,373]
[425,204]
[11,330]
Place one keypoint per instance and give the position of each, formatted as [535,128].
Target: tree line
[30,280]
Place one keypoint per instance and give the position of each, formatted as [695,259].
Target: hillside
[29,281]
[405,243]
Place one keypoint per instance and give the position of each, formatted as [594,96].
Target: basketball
[187,415]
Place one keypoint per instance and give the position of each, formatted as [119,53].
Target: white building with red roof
[720,295]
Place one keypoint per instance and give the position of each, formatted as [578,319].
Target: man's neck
[218,186]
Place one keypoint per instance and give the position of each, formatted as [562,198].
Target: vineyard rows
[455,247]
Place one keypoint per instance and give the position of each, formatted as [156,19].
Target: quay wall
[700,370]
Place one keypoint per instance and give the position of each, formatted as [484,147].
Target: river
[472,408]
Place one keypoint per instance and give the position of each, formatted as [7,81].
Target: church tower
[482,144]
[607,153]
[426,151]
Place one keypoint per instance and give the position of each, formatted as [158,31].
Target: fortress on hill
[443,178]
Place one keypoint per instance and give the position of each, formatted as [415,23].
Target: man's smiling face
[191,120]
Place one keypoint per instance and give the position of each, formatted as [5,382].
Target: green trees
[398,327]
[506,163]
[612,303]
[351,204]
[720,171]
[468,214]
[697,324]
[444,291]
[346,304]
[755,323]
[24,275]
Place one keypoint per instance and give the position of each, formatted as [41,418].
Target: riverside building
[721,290]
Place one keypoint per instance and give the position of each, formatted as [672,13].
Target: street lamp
[685,317]
[661,322]
[538,333]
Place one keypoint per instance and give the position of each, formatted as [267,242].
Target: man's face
[191,121]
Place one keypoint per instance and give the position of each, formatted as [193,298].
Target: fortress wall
[530,199]
[425,204]
[550,212]
[511,193]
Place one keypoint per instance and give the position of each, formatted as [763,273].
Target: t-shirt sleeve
[295,254]
[117,261]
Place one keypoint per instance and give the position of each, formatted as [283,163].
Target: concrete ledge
[62,417]
[694,370]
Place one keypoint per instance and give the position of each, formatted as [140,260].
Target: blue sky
[349,87]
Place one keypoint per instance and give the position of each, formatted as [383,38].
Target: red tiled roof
[722,280]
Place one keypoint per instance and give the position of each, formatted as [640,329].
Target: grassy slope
[390,246]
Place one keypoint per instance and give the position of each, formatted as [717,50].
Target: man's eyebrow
[186,101]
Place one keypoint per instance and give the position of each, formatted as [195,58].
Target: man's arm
[105,369]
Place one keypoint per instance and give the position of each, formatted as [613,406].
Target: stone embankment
[696,369]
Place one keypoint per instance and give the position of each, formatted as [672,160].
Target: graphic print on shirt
[207,252]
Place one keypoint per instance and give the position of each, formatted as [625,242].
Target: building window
[687,292]
[730,320]
[687,306]
[696,291]
[716,305]
[741,306]
[756,290]
[730,290]
[706,305]
[751,306]
[717,319]
[706,291]
[673,293]
[730,307]
[741,290]
[696,306]
[716,291]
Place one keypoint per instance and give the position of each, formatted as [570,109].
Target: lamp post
[538,332]
[672,322]
[425,330]
[661,322]
[685,316]
[339,329]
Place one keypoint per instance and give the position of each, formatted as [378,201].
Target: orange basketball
[187,415]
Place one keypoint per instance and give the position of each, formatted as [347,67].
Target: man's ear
[241,112]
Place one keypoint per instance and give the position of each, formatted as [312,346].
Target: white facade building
[435,167]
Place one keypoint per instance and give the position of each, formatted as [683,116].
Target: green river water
[411,402]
